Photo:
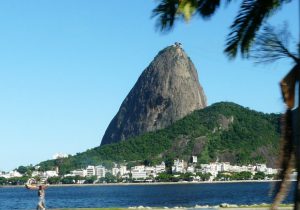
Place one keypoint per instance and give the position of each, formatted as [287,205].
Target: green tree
[186,176]
[22,169]
[90,179]
[68,180]
[17,180]
[223,176]
[244,175]
[259,176]
[204,176]
[54,180]
[164,177]
[3,181]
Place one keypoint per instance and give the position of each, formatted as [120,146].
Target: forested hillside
[223,131]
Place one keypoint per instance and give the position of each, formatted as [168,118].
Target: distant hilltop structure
[59,155]
[177,44]
[166,91]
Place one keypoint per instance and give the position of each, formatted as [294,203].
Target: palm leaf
[170,10]
[271,45]
[251,16]
[166,11]
[187,8]
[207,8]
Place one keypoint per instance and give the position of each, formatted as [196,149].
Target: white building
[100,171]
[194,159]
[115,171]
[48,174]
[160,168]
[123,170]
[212,169]
[225,166]
[235,168]
[138,172]
[251,169]
[90,171]
[261,167]
[190,169]
[15,174]
[79,172]
[11,174]
[150,170]
[271,171]
[4,175]
[178,166]
[36,173]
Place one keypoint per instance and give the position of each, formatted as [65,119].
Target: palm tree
[251,15]
[272,45]
[243,37]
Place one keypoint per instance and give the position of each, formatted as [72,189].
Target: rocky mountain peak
[166,91]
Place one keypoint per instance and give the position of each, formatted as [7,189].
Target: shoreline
[148,183]
[230,207]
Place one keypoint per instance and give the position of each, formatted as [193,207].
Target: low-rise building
[150,171]
[36,173]
[90,171]
[100,171]
[15,174]
[178,166]
[160,168]
[79,172]
[48,174]
[225,166]
[138,172]
[194,159]
[123,170]
[115,171]
[190,169]
[261,167]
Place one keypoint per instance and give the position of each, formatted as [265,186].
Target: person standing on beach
[41,194]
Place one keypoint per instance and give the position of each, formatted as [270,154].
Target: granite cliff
[167,90]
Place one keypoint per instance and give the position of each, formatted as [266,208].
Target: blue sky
[66,66]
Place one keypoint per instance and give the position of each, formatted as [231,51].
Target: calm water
[186,195]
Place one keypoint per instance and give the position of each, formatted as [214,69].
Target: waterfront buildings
[78,172]
[178,166]
[10,174]
[100,171]
[149,173]
[90,171]
[138,172]
[160,168]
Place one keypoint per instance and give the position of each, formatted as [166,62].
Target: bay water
[158,195]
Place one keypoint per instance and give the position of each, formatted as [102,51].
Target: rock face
[167,90]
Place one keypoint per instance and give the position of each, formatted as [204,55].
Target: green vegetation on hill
[224,131]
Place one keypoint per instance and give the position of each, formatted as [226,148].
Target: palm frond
[251,16]
[271,45]
[206,8]
[166,11]
[187,8]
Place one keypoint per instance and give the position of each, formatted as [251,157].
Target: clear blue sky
[66,66]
